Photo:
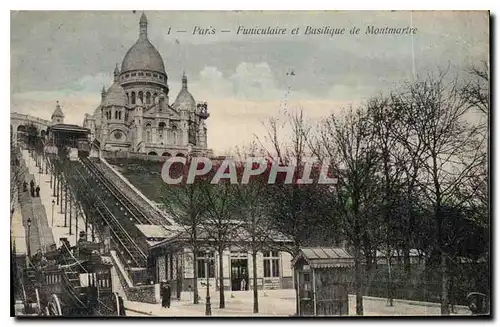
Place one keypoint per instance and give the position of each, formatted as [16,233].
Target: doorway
[239,272]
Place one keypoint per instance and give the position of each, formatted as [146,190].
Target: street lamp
[29,238]
[208,306]
[53,203]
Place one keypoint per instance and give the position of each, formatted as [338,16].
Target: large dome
[143,55]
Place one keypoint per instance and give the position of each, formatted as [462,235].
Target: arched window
[140,95]
[161,128]
[148,98]
[133,97]
[148,133]
[174,134]
[128,99]
[154,97]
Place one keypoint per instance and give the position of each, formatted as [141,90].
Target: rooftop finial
[143,26]
[103,93]
[116,73]
[184,81]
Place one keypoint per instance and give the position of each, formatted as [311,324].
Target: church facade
[136,114]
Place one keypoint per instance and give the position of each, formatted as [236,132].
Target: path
[281,303]
[56,216]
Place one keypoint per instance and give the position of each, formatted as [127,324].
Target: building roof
[327,257]
[69,128]
[58,111]
[143,55]
[156,234]
[157,231]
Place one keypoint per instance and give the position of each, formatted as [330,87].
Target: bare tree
[256,228]
[385,122]
[292,210]
[219,223]
[186,203]
[476,91]
[349,144]
[451,152]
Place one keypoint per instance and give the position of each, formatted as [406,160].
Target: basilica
[135,113]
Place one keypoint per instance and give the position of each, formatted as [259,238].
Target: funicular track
[128,248]
[136,213]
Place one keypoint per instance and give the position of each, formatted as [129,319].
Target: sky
[69,56]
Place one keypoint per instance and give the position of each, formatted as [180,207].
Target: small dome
[115,96]
[184,100]
[97,112]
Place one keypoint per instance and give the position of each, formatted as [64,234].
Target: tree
[476,90]
[294,209]
[219,223]
[252,197]
[349,144]
[186,203]
[451,153]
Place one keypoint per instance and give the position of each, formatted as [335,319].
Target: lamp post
[29,238]
[208,306]
[53,203]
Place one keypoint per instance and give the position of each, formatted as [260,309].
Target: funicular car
[71,281]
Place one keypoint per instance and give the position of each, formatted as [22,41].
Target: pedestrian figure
[32,188]
[25,186]
[38,191]
[166,294]
[243,284]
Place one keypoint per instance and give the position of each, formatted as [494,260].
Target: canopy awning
[324,257]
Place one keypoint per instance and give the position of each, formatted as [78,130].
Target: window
[133,74]
[127,75]
[148,133]
[202,261]
[271,264]
[133,97]
[148,98]
[148,74]
[155,75]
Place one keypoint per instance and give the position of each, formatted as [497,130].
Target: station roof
[166,234]
[156,233]
[324,257]
[69,128]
